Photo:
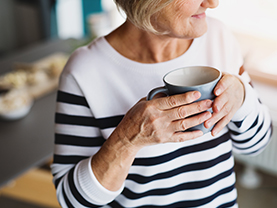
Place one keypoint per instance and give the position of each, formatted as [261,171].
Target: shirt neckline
[103,45]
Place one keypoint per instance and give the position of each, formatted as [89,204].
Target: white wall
[70,22]
[255,17]
[69,19]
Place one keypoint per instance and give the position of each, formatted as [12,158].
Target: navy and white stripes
[148,173]
[252,134]
[196,173]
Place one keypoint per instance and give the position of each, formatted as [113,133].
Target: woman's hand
[230,96]
[164,119]
[147,123]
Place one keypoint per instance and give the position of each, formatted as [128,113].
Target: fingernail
[209,115]
[209,103]
[215,132]
[196,94]
[208,124]
[199,133]
[218,92]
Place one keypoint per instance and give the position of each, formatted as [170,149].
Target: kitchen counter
[28,142]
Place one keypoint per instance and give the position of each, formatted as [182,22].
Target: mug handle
[155,91]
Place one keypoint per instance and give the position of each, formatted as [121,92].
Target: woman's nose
[210,4]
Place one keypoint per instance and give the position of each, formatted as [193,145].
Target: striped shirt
[98,86]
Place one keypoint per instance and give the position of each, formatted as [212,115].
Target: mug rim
[218,77]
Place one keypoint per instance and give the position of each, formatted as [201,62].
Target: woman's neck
[145,47]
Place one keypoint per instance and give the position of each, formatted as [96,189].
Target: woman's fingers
[223,84]
[183,112]
[220,125]
[183,105]
[159,120]
[224,113]
[230,96]
[220,102]
[189,110]
[185,124]
[166,103]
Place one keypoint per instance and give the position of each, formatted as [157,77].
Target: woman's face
[184,18]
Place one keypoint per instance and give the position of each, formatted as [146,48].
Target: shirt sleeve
[77,139]
[251,126]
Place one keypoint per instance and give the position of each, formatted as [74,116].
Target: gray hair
[140,12]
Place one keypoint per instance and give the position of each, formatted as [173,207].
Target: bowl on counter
[15,104]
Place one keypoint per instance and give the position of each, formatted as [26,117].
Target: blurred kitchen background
[33,29]
[25,22]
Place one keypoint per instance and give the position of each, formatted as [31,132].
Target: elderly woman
[115,149]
